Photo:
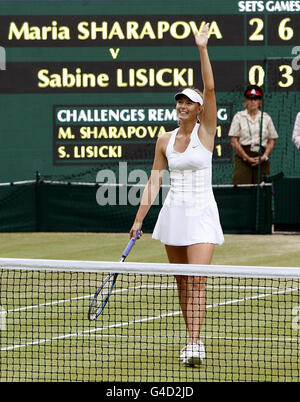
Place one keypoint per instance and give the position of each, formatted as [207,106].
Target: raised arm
[209,115]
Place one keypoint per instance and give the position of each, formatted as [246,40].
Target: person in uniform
[244,135]
[188,223]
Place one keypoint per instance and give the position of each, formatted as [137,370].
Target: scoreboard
[85,85]
[83,135]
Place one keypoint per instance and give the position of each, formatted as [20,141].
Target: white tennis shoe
[193,354]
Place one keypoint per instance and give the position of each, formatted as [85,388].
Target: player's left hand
[201,38]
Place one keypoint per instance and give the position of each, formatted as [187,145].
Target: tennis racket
[104,291]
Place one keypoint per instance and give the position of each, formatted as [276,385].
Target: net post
[37,200]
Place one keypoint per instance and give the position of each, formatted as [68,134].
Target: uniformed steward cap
[253,91]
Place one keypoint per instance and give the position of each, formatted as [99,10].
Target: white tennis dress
[189,214]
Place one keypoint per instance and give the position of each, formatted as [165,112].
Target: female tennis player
[188,223]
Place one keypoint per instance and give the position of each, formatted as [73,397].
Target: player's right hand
[135,227]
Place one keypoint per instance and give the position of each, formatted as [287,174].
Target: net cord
[150,268]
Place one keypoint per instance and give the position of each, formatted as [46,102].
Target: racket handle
[130,244]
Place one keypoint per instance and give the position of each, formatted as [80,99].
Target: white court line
[90,331]
[124,324]
[226,338]
[53,303]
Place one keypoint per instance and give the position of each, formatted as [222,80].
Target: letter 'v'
[114,52]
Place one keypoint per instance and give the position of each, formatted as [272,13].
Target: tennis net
[250,330]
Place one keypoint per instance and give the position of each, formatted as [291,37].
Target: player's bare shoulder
[162,141]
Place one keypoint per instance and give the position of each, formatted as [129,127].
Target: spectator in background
[245,139]
[296,132]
